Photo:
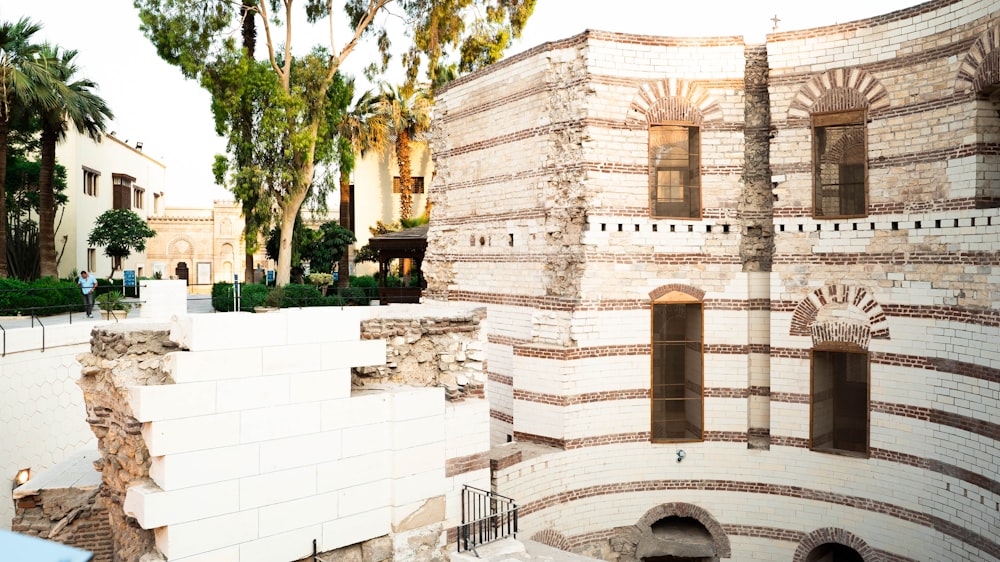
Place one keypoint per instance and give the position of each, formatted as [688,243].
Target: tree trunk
[344,267]
[4,130]
[405,178]
[288,211]
[46,204]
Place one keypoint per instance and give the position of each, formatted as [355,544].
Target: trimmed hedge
[251,295]
[44,297]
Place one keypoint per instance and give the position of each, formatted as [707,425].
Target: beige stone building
[205,246]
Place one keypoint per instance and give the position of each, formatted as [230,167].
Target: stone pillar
[756,209]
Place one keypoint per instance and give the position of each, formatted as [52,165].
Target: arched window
[840,164]
[840,399]
[676,388]
[675,170]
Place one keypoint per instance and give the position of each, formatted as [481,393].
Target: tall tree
[194,35]
[361,129]
[25,80]
[408,111]
[75,103]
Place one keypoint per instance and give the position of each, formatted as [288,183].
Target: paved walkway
[513,550]
[196,304]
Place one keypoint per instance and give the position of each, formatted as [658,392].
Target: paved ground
[512,550]
[196,304]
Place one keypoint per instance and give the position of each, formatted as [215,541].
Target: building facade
[746,294]
[376,192]
[104,175]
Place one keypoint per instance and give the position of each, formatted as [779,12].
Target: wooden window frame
[418,185]
[840,347]
[694,171]
[91,190]
[674,298]
[857,117]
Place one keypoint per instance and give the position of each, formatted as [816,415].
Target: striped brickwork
[542,214]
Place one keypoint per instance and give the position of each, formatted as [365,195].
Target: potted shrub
[112,305]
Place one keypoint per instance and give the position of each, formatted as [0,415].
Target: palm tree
[408,111]
[25,80]
[75,103]
[361,128]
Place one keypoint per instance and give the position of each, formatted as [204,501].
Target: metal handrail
[486,517]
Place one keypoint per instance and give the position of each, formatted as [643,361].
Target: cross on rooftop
[775,20]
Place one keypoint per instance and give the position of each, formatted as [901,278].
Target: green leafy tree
[25,81]
[120,232]
[362,128]
[326,249]
[195,36]
[408,111]
[75,103]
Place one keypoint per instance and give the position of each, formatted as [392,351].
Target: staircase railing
[486,517]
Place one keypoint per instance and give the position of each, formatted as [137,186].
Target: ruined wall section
[425,347]
[121,358]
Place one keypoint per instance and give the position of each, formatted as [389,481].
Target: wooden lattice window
[839,400]
[676,388]
[121,191]
[840,165]
[418,185]
[675,171]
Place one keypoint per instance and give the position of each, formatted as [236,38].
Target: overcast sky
[154,104]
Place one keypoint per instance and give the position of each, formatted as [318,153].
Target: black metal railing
[486,517]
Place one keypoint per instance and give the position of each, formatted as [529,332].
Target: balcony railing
[486,517]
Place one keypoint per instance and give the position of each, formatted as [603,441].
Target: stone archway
[831,544]
[680,532]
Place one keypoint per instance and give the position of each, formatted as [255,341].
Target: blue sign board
[129,277]
[270,276]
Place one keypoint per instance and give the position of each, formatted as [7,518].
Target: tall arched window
[840,164]
[675,170]
[676,388]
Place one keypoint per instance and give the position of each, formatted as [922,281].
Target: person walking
[87,285]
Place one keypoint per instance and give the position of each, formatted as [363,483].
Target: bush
[44,297]
[251,295]
[296,295]
[222,297]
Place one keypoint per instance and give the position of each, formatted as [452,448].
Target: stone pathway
[513,550]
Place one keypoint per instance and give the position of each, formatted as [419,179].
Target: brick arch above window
[980,70]
[662,293]
[673,100]
[834,89]
[804,318]
[679,509]
[835,535]
[553,538]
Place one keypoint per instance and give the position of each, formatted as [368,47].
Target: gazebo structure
[410,243]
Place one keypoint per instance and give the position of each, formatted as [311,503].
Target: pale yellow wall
[373,197]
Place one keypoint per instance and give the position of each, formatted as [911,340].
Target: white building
[100,176]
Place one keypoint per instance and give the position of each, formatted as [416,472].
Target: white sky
[154,104]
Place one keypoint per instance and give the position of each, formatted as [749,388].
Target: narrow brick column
[757,242]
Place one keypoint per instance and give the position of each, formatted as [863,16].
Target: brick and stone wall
[542,215]
[62,505]
[239,436]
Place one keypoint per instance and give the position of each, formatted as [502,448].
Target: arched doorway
[833,552]
[677,539]
[679,532]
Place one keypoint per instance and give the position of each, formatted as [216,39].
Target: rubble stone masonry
[542,214]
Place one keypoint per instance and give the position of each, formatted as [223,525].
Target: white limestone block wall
[42,414]
[259,447]
[162,299]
